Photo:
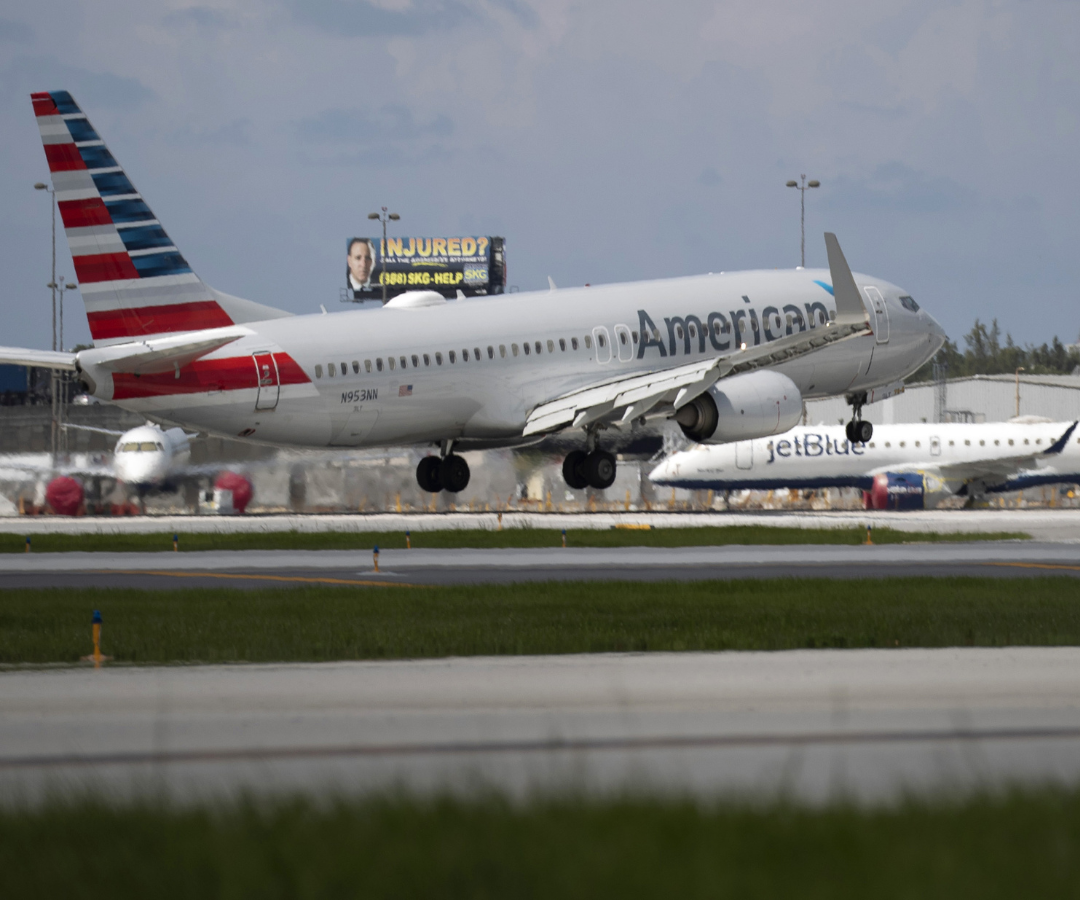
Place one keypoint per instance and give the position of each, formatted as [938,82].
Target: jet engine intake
[741,408]
[906,490]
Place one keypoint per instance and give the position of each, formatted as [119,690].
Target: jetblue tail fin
[133,279]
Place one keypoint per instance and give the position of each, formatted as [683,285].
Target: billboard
[472,265]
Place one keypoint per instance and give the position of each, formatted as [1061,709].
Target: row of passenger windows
[967,443]
[622,334]
[475,355]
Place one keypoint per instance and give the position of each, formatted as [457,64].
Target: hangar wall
[980,398]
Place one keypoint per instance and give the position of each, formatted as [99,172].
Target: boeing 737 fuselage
[728,356]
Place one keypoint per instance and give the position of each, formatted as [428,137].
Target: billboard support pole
[383,217]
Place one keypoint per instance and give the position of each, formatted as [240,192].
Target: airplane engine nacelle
[238,487]
[741,408]
[896,490]
[64,495]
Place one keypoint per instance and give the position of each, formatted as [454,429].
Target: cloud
[391,122]
[100,89]
[709,177]
[16,32]
[232,134]
[201,18]
[360,18]
[900,188]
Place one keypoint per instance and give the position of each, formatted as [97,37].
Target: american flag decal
[405,390]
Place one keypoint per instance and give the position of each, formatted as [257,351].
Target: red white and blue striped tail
[134,281]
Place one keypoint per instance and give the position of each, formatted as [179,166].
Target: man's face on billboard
[360,261]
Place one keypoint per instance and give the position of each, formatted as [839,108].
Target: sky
[611,140]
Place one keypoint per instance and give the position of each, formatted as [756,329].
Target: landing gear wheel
[428,474]
[849,430]
[600,469]
[454,473]
[863,432]
[573,470]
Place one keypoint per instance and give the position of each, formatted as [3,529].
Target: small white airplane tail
[133,279]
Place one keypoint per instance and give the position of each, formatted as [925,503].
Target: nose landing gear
[858,430]
[448,473]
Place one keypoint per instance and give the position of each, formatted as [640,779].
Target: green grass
[322,623]
[510,537]
[1024,845]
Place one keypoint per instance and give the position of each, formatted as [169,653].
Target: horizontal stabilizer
[161,355]
[42,359]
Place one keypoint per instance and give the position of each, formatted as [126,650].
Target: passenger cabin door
[881,314]
[268,380]
[602,344]
[744,455]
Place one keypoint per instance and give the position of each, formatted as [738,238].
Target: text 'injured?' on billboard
[472,265]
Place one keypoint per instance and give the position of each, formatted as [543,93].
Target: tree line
[985,354]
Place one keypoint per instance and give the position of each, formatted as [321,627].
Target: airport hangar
[977,398]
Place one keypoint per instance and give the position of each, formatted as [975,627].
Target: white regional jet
[903,467]
[728,356]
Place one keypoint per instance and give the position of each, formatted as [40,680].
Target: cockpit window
[140,447]
[909,303]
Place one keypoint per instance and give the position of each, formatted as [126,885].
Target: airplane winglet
[849,306]
[551,284]
[1061,442]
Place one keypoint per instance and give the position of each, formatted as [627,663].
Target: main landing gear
[857,430]
[447,473]
[591,467]
[595,469]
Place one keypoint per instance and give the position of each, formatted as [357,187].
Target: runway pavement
[1040,523]
[814,725]
[268,568]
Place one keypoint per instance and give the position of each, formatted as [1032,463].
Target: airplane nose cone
[660,473]
[937,333]
[663,472]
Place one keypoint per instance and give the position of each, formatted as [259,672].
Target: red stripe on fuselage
[104,267]
[84,213]
[235,373]
[113,323]
[63,157]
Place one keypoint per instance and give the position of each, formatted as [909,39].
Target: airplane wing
[42,359]
[624,399]
[999,468]
[109,431]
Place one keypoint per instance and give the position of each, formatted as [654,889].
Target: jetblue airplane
[728,356]
[903,467]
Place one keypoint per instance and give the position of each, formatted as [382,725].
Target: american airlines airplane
[728,356]
[903,467]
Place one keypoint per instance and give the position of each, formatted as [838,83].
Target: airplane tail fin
[133,279]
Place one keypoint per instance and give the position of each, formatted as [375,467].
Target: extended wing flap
[44,359]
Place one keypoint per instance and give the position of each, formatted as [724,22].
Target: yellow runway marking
[235,575]
[1024,565]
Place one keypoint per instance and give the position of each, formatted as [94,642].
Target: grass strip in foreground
[483,539]
[341,623]
[1024,844]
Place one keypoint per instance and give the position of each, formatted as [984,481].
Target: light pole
[383,217]
[52,285]
[1019,369]
[802,189]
